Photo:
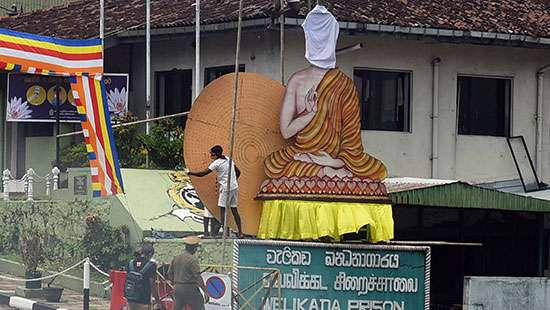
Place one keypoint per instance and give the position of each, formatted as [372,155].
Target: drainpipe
[282,44]
[197,48]
[435,116]
[539,117]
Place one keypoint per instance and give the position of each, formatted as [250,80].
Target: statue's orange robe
[335,129]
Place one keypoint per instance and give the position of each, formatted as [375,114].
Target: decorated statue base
[313,208]
[352,189]
[315,220]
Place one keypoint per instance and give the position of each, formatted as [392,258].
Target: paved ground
[69,299]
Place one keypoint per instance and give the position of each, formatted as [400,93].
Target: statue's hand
[311,101]
[324,159]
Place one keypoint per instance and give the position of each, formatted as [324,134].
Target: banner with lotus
[32,98]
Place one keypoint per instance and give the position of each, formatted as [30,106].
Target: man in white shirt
[220,165]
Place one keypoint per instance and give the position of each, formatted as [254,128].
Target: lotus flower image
[18,109]
[117,101]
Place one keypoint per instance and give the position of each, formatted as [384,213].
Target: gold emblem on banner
[36,95]
[62,95]
[71,97]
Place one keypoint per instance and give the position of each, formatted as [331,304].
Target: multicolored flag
[37,54]
[82,60]
[91,103]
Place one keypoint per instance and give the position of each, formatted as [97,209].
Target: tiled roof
[80,19]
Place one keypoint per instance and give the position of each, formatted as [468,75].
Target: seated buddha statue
[320,113]
[322,185]
[320,118]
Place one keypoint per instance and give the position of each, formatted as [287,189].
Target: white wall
[499,293]
[470,158]
[259,53]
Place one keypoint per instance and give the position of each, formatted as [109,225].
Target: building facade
[479,94]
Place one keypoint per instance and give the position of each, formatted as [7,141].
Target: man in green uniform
[185,274]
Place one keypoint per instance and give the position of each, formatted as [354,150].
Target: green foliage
[131,152]
[74,156]
[51,234]
[105,245]
[165,145]
[32,249]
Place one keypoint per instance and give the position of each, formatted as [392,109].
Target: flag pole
[57,121]
[147,71]
[197,47]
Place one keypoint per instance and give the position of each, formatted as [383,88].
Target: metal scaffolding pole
[233,125]
[147,70]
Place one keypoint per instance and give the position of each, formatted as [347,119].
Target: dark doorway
[173,93]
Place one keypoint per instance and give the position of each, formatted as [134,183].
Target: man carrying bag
[141,280]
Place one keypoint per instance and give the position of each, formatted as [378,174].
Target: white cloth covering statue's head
[321,31]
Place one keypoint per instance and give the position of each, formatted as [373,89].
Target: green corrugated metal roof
[467,196]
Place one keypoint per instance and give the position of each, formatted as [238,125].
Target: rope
[99,270]
[164,279]
[233,122]
[130,123]
[46,177]
[24,177]
[46,277]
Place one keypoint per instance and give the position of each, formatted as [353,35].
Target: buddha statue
[320,113]
[320,118]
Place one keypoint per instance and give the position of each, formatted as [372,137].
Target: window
[210,74]
[385,99]
[484,106]
[38,129]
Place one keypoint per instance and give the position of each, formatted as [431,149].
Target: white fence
[25,185]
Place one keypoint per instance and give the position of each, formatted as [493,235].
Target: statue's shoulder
[303,75]
[300,75]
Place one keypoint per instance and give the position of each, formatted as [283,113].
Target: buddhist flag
[91,103]
[82,60]
[35,54]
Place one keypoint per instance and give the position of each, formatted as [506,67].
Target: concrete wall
[118,214]
[486,293]
[471,158]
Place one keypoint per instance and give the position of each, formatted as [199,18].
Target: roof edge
[440,33]
[463,195]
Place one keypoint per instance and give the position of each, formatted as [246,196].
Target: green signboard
[325,276]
